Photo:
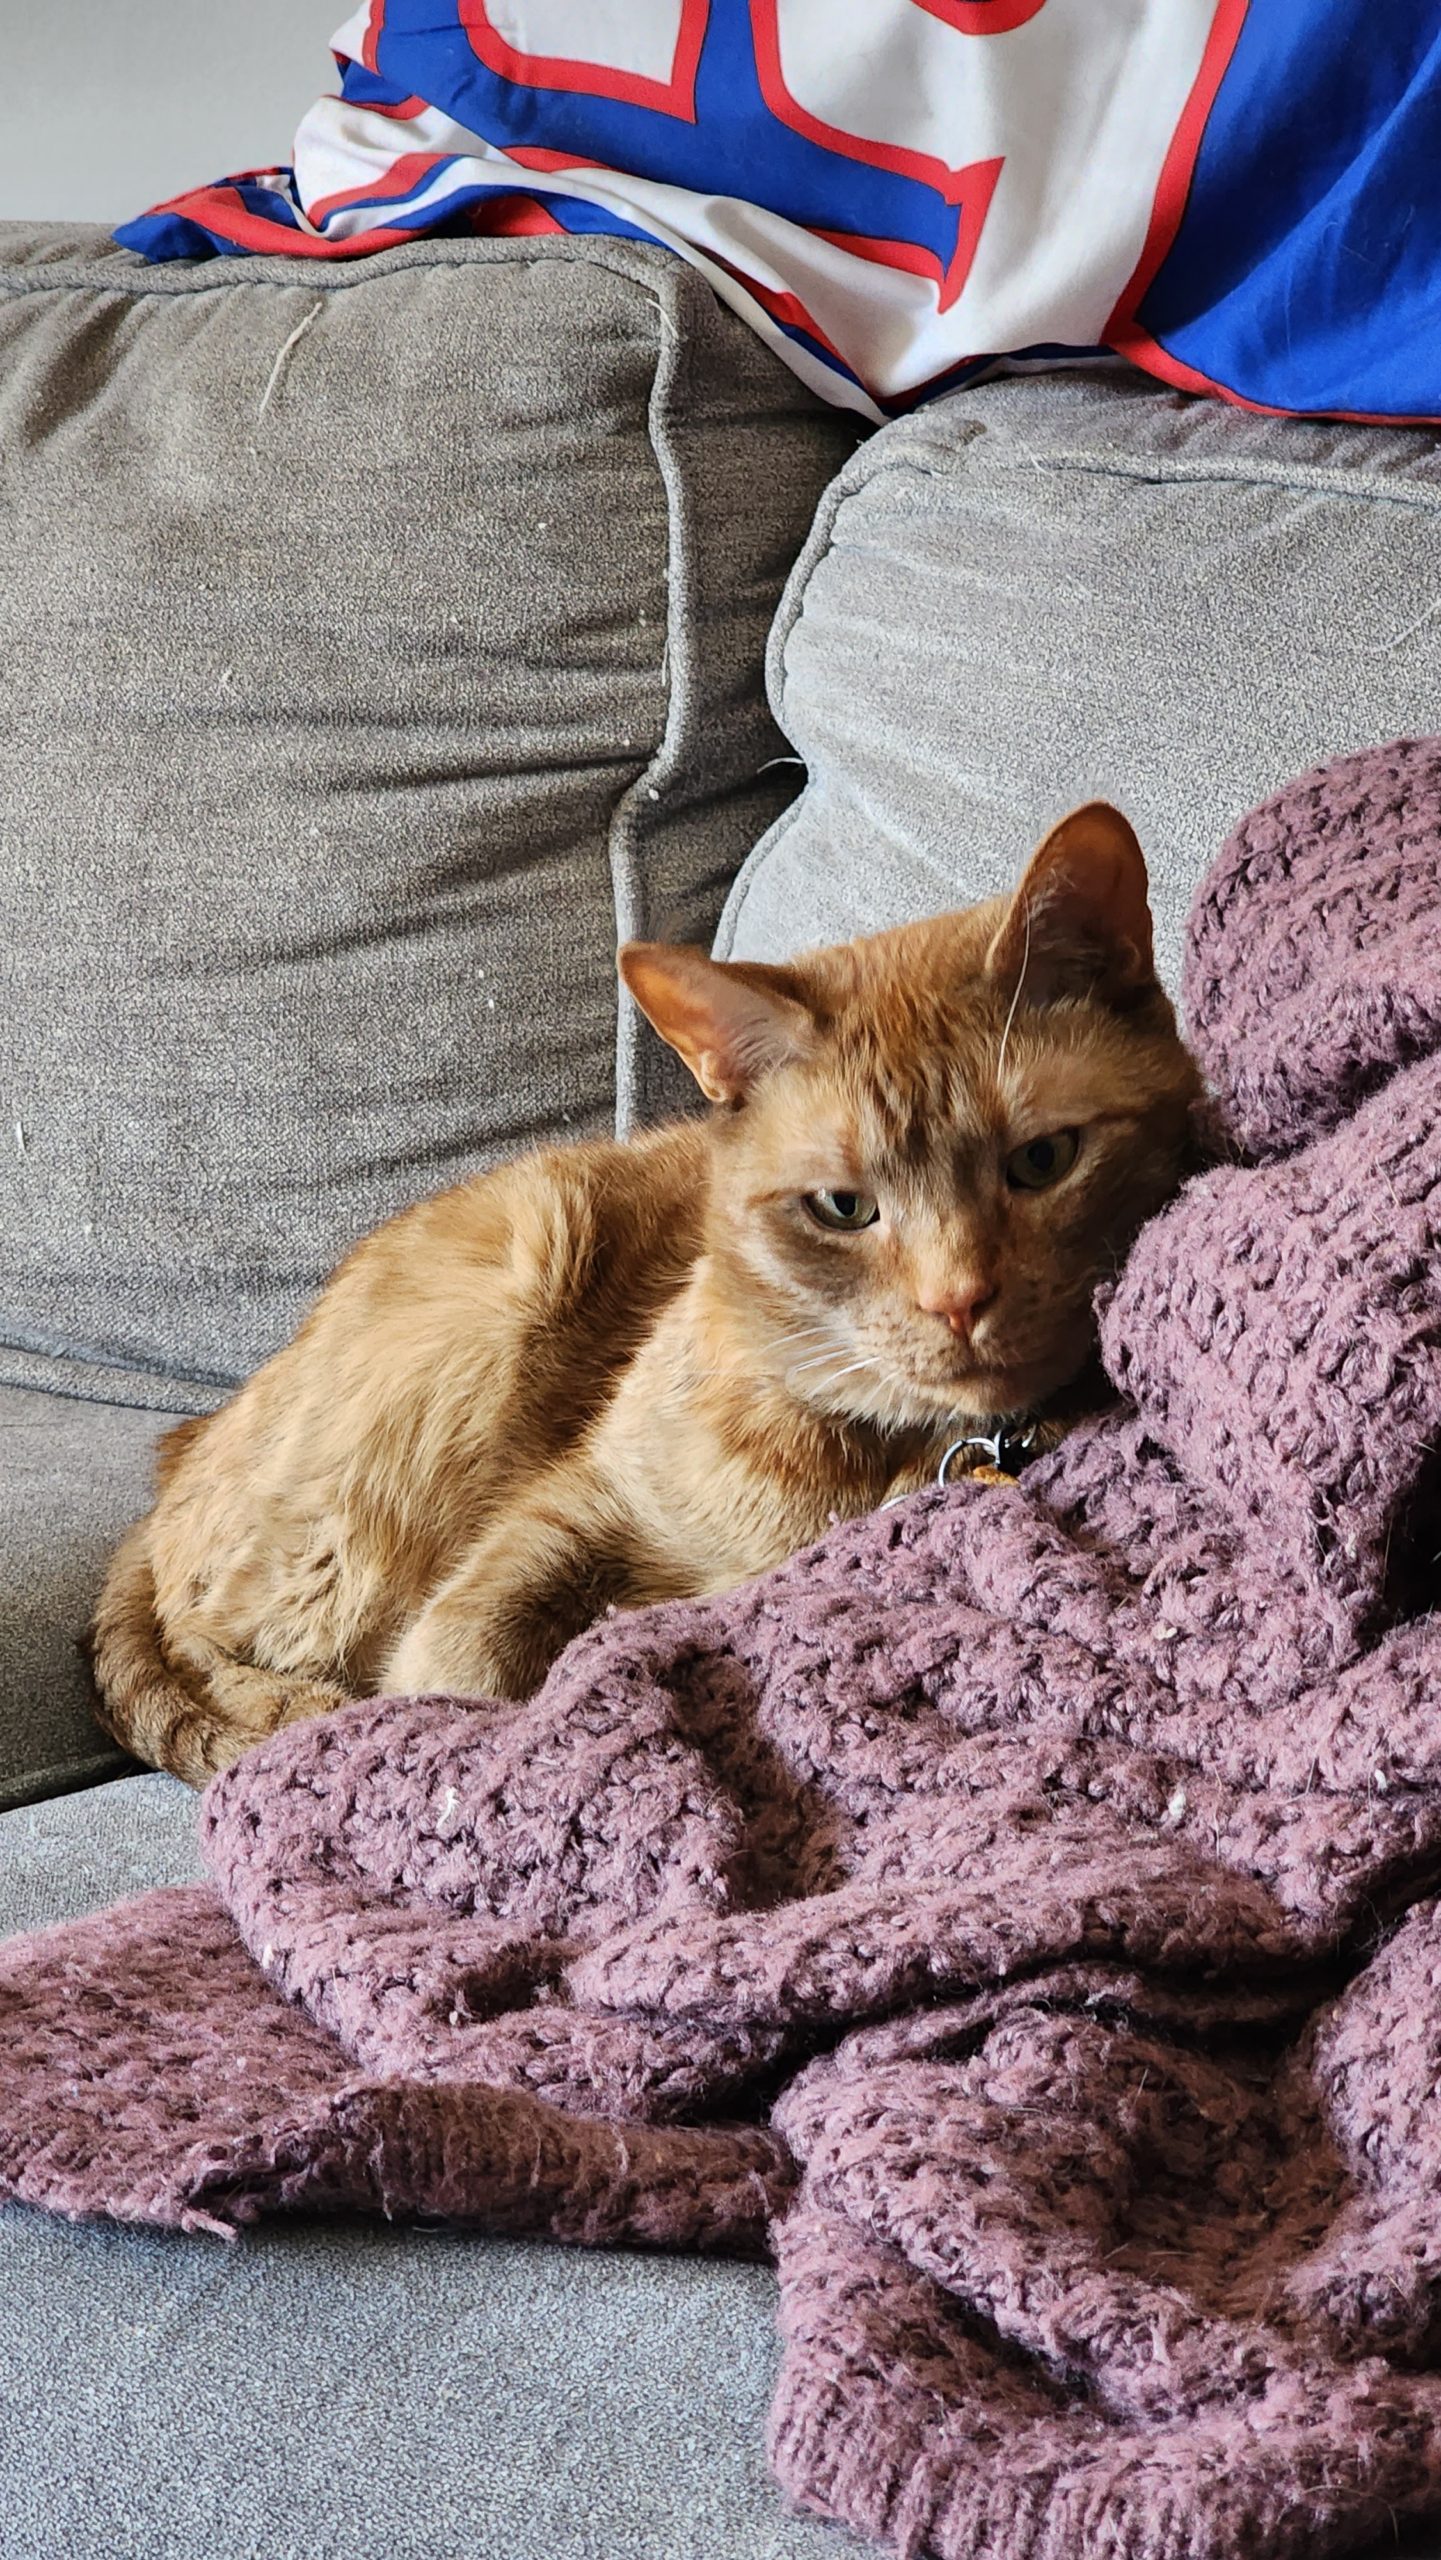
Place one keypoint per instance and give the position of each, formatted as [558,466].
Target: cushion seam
[59,1778]
[958,460]
[630,813]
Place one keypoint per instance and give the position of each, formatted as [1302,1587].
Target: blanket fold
[1015,1913]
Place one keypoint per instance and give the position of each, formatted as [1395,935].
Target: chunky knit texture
[1014,1912]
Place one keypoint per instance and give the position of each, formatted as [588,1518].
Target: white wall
[106,106]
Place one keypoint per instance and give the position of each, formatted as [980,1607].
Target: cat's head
[930,1145]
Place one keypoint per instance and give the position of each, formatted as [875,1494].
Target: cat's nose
[959,1306]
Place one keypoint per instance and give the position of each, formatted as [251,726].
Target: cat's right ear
[733,1021]
[1081,916]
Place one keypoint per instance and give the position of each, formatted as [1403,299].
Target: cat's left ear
[1081,918]
[733,1021]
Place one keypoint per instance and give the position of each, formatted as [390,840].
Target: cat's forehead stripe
[904,1108]
[907,1128]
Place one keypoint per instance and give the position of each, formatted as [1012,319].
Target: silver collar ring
[1006,1449]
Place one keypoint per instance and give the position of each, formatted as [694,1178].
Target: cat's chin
[1002,1393]
[996,1396]
[899,1402]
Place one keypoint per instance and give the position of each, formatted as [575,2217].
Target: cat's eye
[844,1212]
[1042,1161]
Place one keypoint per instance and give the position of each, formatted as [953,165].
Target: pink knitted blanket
[1014,1913]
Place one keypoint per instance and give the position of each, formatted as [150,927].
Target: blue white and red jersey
[1241,196]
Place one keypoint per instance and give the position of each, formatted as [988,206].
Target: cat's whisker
[1016,998]
[815,1359]
[832,1377]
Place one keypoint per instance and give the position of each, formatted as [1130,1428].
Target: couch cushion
[1047,589]
[70,1854]
[73,1475]
[347,2390]
[378,642]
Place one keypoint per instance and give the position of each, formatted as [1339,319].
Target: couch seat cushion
[73,1475]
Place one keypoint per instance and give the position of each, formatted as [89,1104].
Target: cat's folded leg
[237,1704]
[497,1623]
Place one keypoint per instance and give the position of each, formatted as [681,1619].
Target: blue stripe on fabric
[362,87]
[1306,271]
[160,236]
[577,213]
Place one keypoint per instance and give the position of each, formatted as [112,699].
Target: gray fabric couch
[377,645]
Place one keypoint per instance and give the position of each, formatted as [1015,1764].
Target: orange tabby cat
[620,1373]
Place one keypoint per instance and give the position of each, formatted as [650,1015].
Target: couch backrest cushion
[1053,588]
[378,644]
